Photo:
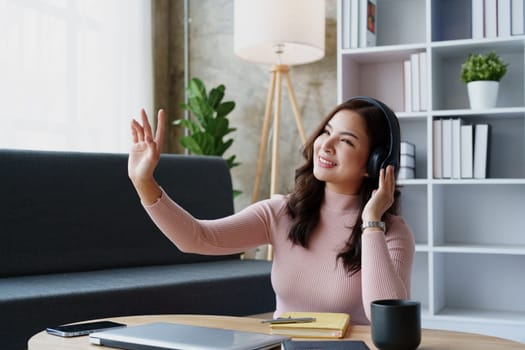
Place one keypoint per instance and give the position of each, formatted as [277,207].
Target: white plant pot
[483,94]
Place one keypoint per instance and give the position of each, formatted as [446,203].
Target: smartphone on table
[79,329]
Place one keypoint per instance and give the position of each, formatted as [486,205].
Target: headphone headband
[392,156]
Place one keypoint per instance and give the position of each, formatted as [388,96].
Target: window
[73,73]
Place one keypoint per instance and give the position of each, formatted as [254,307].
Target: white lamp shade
[298,25]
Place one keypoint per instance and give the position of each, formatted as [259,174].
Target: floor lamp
[281,33]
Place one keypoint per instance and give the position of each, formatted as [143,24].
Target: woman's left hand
[382,198]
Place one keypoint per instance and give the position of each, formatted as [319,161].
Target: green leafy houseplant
[483,67]
[206,133]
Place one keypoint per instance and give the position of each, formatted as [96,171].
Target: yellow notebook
[326,325]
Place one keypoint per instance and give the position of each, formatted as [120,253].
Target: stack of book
[415,82]
[407,163]
[460,150]
[359,23]
[497,18]
[325,325]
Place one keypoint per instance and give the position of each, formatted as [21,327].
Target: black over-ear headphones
[381,157]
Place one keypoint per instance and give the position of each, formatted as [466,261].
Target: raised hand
[382,198]
[144,156]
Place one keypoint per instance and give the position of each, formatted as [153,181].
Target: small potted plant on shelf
[482,73]
[207,131]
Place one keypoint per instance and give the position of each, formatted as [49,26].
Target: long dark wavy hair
[304,202]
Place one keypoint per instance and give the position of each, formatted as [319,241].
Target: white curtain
[73,73]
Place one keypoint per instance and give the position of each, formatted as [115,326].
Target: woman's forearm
[385,268]
[148,190]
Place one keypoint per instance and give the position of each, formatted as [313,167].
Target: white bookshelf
[469,269]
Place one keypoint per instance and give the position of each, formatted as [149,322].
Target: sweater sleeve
[387,263]
[233,234]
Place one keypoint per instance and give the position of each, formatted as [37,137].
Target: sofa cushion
[29,304]
[74,211]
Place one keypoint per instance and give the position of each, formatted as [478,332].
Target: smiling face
[341,153]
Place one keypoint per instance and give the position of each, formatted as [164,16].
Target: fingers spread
[144,132]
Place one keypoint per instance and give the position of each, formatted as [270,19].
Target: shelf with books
[384,23]
[505,136]
[475,19]
[467,221]
[449,92]
[376,74]
[451,20]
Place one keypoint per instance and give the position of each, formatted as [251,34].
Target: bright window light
[73,73]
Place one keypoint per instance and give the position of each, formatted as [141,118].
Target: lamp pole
[274,93]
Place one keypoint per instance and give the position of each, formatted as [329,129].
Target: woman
[324,258]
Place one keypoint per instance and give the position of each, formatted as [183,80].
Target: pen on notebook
[290,320]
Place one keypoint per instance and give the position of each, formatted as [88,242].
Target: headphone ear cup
[387,155]
[375,160]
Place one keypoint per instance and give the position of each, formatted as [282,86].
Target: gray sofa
[75,244]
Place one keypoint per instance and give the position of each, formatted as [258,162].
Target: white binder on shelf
[367,23]
[491,18]
[478,19]
[437,151]
[518,17]
[481,148]
[467,151]
[414,64]
[354,24]
[504,18]
[456,147]
[345,24]
[447,148]
[423,91]
[407,85]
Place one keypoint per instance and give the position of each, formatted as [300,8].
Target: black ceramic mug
[396,324]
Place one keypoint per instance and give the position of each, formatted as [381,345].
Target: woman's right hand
[144,156]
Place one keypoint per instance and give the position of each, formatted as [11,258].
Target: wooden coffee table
[431,339]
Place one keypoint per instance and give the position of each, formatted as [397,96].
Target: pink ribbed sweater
[303,279]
